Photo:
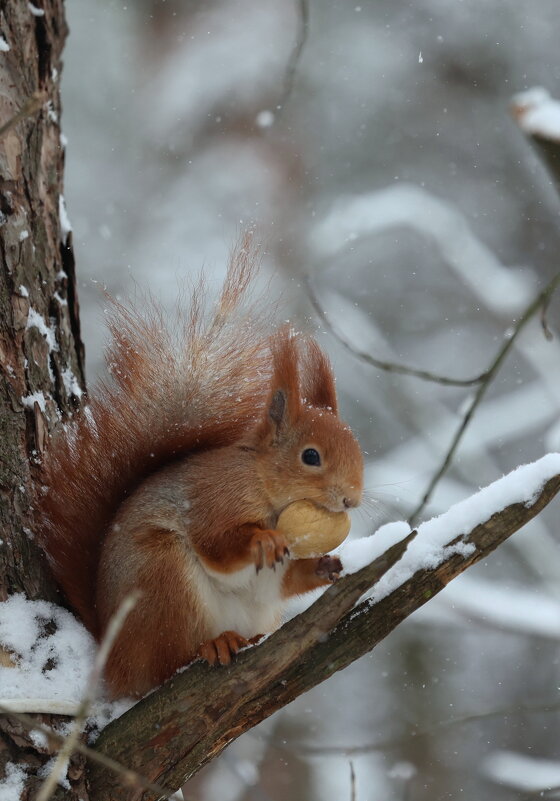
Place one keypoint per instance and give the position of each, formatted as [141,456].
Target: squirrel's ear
[284,402]
[318,379]
[277,407]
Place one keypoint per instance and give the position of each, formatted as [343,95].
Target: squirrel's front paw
[267,548]
[329,567]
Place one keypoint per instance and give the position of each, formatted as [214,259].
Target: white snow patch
[420,58]
[71,384]
[431,544]
[35,320]
[103,712]
[37,12]
[45,771]
[23,291]
[38,738]
[11,787]
[4,46]
[526,773]
[52,669]
[538,113]
[65,224]
[51,113]
[35,397]
[23,236]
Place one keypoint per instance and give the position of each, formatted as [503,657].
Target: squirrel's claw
[222,649]
[267,548]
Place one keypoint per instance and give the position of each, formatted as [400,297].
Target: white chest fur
[244,601]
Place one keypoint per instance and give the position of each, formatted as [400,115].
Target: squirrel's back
[169,393]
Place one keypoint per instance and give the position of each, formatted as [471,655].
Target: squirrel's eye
[311,456]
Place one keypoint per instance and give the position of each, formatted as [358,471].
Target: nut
[312,530]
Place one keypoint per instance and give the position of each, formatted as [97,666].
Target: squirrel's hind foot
[222,649]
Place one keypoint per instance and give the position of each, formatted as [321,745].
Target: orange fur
[173,477]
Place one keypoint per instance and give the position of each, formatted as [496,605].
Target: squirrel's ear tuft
[317,378]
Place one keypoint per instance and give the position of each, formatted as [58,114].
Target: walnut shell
[311,530]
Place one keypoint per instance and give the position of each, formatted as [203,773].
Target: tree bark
[41,354]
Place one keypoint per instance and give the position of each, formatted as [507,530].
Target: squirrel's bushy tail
[173,387]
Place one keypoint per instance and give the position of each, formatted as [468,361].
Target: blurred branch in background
[540,302]
[291,69]
[390,367]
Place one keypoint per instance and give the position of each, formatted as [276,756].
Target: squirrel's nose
[349,503]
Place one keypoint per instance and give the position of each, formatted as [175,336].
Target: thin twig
[115,625]
[389,367]
[129,778]
[542,297]
[544,322]
[31,105]
[352,782]
[292,66]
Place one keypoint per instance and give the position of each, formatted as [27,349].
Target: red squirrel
[171,479]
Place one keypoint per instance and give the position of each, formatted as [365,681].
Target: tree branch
[172,733]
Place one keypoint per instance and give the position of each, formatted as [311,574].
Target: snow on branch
[538,116]
[537,113]
[173,732]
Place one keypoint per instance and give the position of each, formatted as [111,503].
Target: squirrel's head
[303,449]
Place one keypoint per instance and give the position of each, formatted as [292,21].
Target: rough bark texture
[41,355]
[172,733]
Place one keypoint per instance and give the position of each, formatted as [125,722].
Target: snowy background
[384,168]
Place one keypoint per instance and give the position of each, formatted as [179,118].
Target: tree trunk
[40,349]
